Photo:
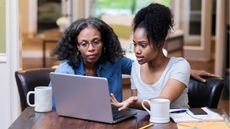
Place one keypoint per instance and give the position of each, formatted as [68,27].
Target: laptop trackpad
[121,115]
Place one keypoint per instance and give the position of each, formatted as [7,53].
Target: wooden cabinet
[175,44]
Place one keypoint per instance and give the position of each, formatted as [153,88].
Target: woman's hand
[198,74]
[125,104]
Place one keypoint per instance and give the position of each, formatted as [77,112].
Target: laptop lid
[83,97]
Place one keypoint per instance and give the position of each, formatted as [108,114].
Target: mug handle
[28,100]
[142,104]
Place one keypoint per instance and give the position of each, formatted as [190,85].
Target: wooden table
[32,120]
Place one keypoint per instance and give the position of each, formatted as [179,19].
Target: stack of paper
[190,117]
[203,125]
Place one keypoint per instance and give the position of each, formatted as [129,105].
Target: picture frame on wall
[48,12]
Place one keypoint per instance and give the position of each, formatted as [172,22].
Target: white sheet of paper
[190,117]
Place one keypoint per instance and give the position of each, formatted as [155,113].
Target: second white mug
[42,99]
[159,110]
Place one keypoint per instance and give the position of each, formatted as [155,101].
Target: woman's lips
[93,56]
[139,58]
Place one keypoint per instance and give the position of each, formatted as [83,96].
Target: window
[121,7]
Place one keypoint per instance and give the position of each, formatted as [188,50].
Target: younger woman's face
[90,45]
[143,48]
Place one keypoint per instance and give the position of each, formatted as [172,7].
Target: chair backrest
[205,94]
[27,80]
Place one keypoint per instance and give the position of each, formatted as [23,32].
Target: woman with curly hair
[90,47]
[154,75]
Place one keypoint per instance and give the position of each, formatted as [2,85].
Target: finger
[122,108]
[112,97]
[117,104]
[204,73]
[213,75]
[200,79]
[114,100]
[210,74]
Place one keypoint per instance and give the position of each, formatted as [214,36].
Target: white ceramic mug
[159,110]
[42,99]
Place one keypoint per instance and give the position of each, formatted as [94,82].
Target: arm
[177,81]
[172,90]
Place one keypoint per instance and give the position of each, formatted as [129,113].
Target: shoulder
[64,67]
[179,62]
[180,69]
[135,64]
[135,67]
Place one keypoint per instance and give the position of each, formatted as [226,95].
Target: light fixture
[63,23]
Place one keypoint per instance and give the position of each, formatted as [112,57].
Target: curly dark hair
[157,20]
[67,46]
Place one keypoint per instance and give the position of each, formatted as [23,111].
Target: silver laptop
[85,97]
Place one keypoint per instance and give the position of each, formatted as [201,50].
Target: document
[203,125]
[185,115]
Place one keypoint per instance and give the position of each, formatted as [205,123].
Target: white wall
[78,9]
[9,108]
[32,16]
[221,22]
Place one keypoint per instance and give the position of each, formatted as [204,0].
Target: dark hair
[67,46]
[156,19]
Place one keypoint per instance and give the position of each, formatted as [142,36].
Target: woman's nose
[91,47]
[137,50]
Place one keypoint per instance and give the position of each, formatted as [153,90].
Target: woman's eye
[96,42]
[134,44]
[83,44]
[143,45]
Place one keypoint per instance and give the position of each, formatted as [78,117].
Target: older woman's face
[90,45]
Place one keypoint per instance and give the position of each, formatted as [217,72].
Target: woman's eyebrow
[141,41]
[84,40]
[96,38]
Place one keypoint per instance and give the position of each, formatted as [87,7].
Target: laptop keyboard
[120,114]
